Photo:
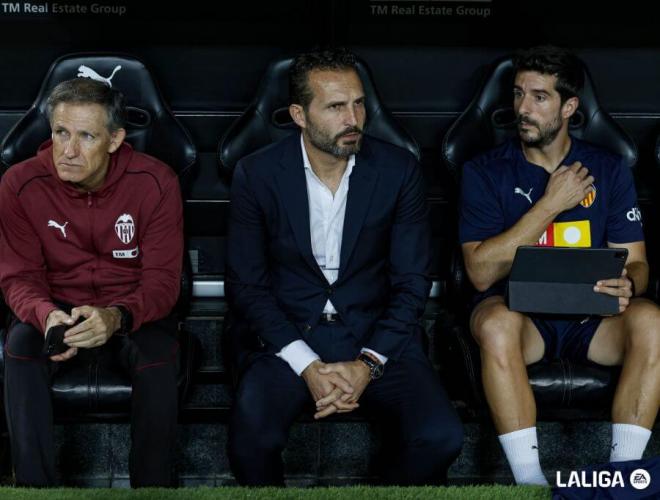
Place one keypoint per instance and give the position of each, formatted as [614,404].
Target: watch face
[376,369]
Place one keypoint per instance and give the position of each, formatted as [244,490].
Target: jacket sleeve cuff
[135,320]
[298,355]
[41,312]
[379,357]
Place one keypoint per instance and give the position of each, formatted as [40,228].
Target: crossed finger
[341,382]
[328,410]
[344,404]
[347,403]
[337,407]
[346,408]
[340,400]
[334,395]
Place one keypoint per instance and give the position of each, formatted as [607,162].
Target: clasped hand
[336,387]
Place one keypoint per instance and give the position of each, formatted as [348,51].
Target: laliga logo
[634,214]
[601,479]
[125,228]
[639,479]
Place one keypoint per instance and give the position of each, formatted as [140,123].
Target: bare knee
[642,324]
[498,332]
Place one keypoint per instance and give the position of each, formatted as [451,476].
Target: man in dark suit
[328,263]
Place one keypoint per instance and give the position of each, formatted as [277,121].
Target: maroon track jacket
[119,245]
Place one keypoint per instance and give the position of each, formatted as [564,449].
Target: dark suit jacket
[273,281]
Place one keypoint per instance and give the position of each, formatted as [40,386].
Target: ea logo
[634,214]
[640,479]
[125,228]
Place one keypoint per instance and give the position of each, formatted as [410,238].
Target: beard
[546,133]
[330,144]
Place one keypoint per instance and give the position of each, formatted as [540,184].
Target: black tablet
[561,280]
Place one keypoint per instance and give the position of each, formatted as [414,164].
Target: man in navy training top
[549,188]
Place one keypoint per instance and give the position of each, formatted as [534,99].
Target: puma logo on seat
[522,193]
[87,72]
[61,227]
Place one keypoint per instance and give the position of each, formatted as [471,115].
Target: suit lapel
[292,185]
[360,191]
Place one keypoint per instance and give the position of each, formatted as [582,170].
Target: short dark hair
[88,91]
[339,59]
[552,60]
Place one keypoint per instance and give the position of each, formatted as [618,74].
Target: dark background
[208,60]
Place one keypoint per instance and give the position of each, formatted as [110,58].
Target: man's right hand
[568,186]
[59,317]
[322,385]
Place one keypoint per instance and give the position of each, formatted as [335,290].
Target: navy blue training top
[500,186]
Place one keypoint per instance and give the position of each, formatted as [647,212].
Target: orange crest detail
[590,198]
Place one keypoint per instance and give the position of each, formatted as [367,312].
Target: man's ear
[298,114]
[116,139]
[569,107]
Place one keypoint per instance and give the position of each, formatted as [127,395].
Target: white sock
[522,451]
[628,442]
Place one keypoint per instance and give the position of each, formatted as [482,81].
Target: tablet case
[561,280]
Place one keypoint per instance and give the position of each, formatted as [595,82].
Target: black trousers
[149,355]
[422,432]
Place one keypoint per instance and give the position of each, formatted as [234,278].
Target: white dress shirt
[326,226]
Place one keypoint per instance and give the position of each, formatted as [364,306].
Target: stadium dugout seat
[152,127]
[89,386]
[563,388]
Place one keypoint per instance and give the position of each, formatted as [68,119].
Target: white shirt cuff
[380,357]
[298,355]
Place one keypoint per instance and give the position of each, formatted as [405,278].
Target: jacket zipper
[91,235]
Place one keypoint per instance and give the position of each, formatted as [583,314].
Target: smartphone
[54,343]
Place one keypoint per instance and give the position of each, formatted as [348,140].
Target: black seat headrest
[489,120]
[267,119]
[152,127]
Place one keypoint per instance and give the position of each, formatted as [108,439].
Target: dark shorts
[566,336]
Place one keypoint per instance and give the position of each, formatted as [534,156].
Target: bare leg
[508,342]
[632,338]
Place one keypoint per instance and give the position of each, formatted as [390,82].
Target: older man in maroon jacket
[91,237]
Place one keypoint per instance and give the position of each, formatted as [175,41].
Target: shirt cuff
[380,357]
[298,355]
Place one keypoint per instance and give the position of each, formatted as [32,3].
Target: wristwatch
[376,368]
